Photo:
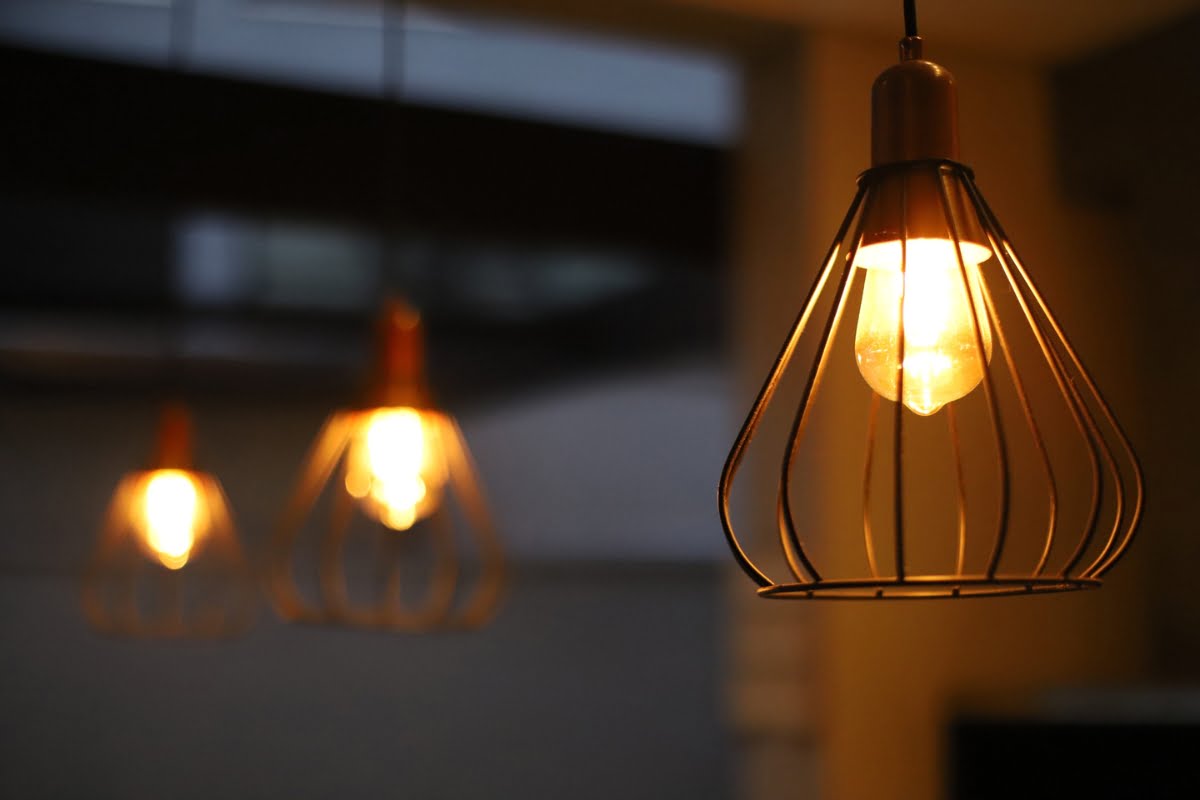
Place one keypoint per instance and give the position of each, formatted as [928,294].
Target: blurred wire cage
[999,468]
[388,527]
[168,562]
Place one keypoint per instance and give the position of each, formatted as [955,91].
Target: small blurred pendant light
[398,460]
[168,562]
[949,325]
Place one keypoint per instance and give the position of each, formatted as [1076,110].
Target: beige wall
[1130,117]
[771,645]
[878,681]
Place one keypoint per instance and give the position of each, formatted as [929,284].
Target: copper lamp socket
[914,110]
[398,379]
[173,447]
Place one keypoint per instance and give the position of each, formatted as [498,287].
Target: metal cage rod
[988,387]
[321,461]
[960,488]
[393,613]
[793,548]
[1098,444]
[750,426]
[868,463]
[390,612]
[898,423]
[1107,558]
[246,584]
[1034,432]
[489,587]
[1097,437]
[1084,423]
[330,564]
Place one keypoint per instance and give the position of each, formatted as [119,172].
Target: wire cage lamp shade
[168,562]
[388,527]
[945,440]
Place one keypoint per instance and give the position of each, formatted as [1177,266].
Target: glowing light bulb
[396,466]
[170,511]
[941,353]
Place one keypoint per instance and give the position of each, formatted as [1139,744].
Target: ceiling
[1037,30]
[1056,30]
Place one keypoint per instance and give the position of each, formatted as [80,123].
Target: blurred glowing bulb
[170,507]
[396,467]
[941,354]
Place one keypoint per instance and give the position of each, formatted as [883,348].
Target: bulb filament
[939,313]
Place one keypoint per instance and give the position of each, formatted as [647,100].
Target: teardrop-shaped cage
[330,563]
[206,592]
[1024,484]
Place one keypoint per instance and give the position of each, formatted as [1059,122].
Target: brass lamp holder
[398,377]
[914,110]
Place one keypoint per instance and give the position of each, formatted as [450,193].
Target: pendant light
[168,562]
[401,505]
[982,456]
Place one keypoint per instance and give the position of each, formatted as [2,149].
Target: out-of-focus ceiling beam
[664,20]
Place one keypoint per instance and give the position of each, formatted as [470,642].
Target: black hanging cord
[392,24]
[172,322]
[910,17]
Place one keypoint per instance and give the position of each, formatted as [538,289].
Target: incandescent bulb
[168,516]
[396,465]
[941,353]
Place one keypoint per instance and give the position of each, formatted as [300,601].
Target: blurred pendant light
[397,481]
[997,441]
[168,563]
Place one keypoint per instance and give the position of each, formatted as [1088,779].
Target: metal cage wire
[982,545]
[125,593]
[446,603]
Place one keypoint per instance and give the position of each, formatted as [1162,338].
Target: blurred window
[501,66]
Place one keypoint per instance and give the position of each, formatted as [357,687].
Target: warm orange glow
[396,465]
[167,515]
[941,352]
